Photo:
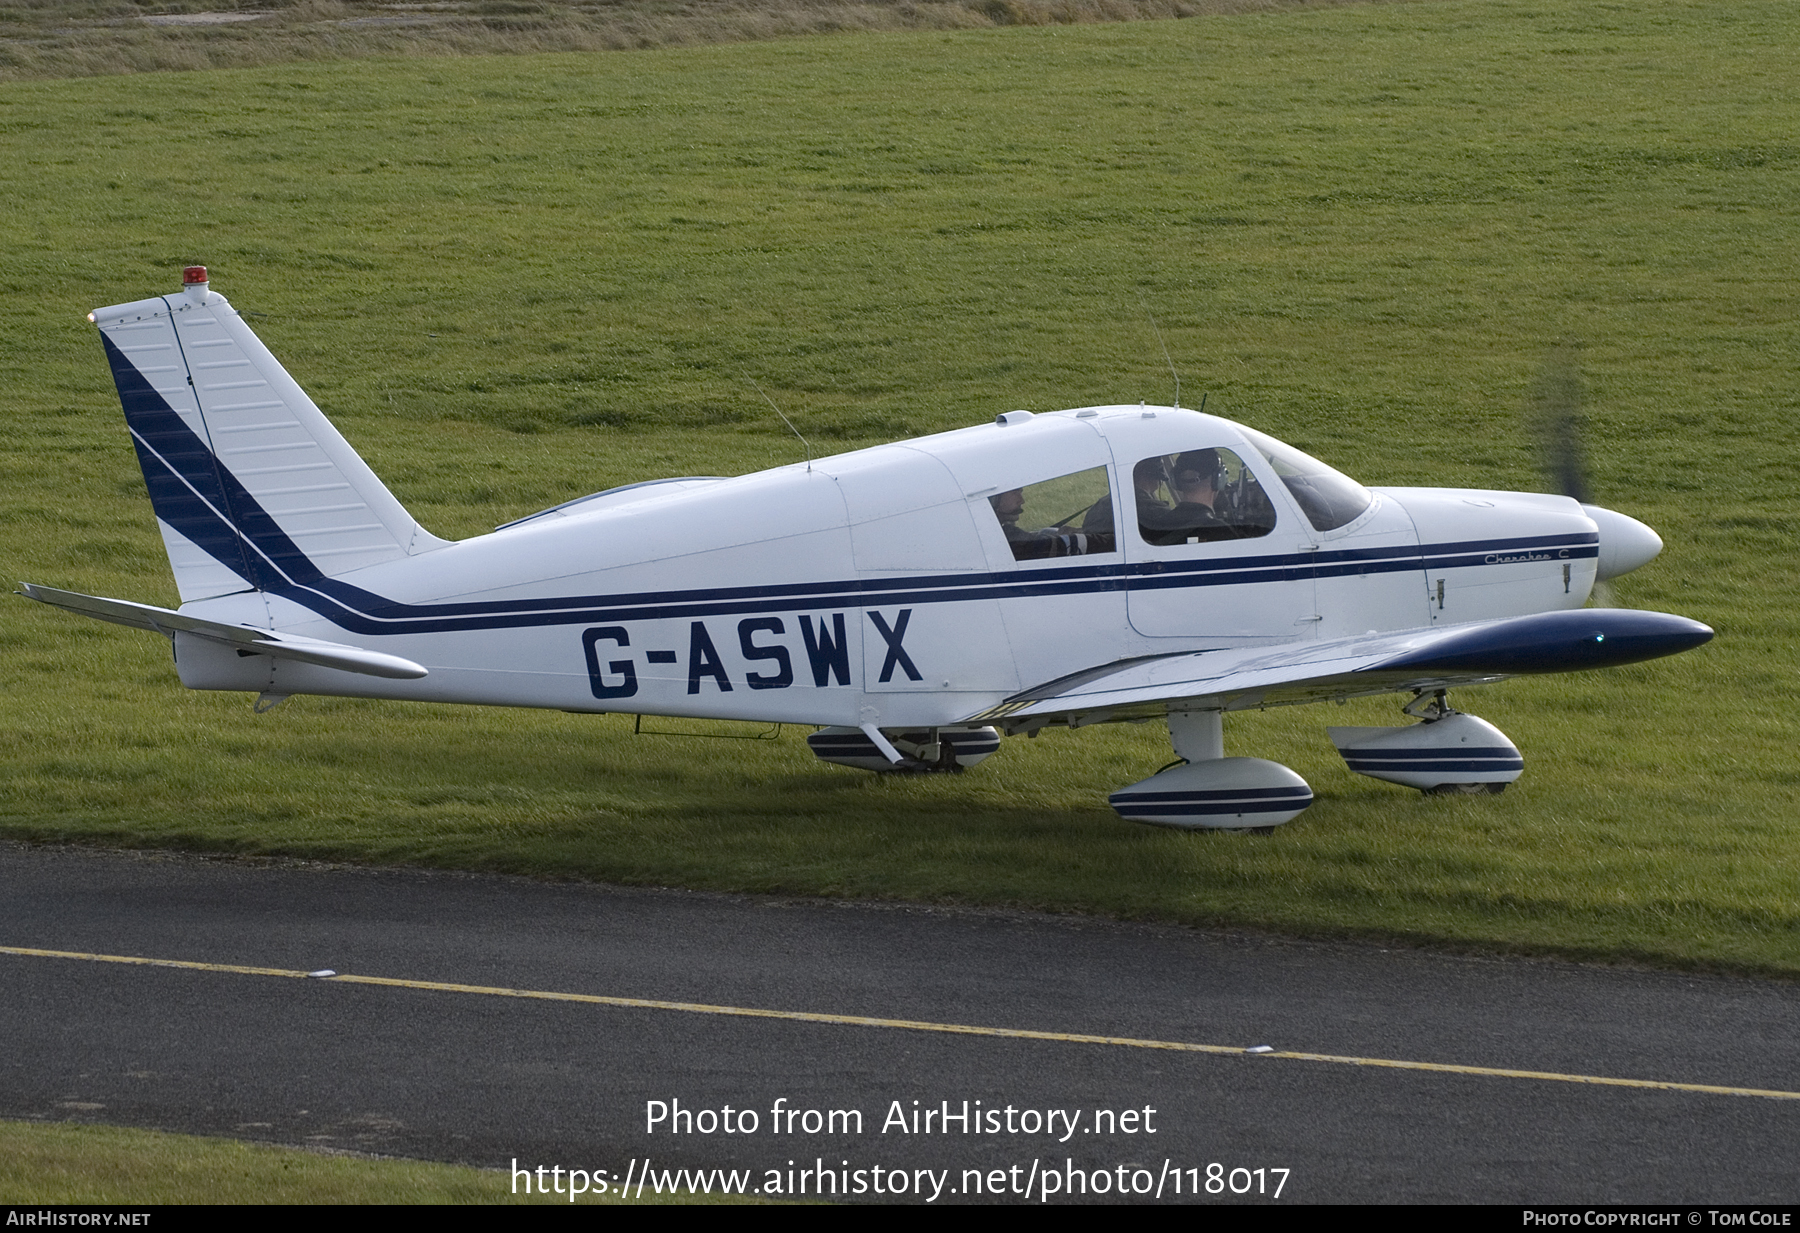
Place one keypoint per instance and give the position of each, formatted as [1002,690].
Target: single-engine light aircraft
[913,601]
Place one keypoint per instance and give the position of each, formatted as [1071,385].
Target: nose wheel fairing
[1445,752]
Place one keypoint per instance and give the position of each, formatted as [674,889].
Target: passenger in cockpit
[1026,545]
[1148,477]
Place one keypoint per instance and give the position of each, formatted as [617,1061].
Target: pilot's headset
[1196,467]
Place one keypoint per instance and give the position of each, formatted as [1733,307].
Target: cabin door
[1213,553]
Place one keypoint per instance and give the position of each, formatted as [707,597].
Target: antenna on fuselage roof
[1165,350]
[790,423]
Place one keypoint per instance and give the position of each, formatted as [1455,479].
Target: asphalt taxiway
[494,1020]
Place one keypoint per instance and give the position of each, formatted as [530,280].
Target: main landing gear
[1207,790]
[922,751]
[1445,753]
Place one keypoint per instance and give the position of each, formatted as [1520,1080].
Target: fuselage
[887,585]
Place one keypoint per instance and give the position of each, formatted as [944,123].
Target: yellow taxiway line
[910,1025]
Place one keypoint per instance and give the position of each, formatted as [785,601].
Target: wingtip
[1569,641]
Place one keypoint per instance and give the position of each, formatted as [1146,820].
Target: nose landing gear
[1446,753]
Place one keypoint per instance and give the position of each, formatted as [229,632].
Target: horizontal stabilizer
[1434,658]
[243,637]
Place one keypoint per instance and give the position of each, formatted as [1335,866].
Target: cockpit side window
[1199,496]
[1328,498]
[1069,516]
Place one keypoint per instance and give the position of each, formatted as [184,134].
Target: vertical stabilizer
[252,486]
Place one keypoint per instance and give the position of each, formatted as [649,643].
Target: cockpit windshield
[1329,499]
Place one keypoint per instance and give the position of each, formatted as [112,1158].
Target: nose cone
[1625,543]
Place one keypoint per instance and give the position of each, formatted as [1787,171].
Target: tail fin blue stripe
[194,493]
[182,474]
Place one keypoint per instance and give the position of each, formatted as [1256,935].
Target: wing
[1434,658]
[246,638]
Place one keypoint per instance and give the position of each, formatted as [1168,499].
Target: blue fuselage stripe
[199,497]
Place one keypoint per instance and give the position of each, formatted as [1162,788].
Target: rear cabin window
[1199,496]
[1069,516]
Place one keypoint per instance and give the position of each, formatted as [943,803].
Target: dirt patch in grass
[82,38]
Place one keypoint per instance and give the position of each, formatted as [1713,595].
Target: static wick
[790,423]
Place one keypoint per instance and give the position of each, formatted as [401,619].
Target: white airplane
[912,601]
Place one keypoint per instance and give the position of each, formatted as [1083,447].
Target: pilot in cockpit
[1196,482]
[1196,478]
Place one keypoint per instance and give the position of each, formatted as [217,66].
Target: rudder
[251,484]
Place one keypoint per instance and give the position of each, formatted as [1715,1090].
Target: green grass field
[111,1164]
[516,279]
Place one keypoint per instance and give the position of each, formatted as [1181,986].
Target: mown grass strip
[79,1164]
